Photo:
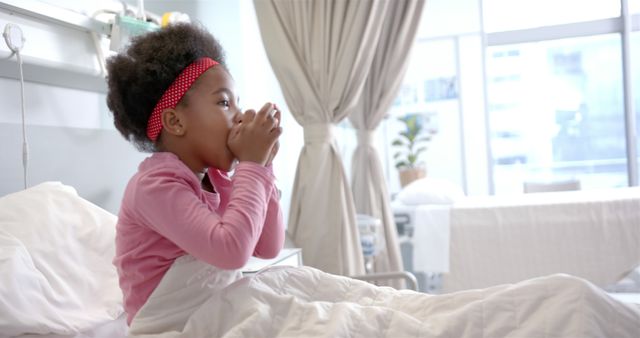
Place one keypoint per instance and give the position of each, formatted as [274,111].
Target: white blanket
[56,274]
[305,302]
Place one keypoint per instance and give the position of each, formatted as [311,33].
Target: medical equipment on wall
[117,26]
[15,41]
[110,27]
[128,24]
[169,18]
[125,27]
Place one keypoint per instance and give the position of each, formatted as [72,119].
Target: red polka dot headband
[175,92]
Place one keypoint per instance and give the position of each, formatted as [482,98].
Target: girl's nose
[237,117]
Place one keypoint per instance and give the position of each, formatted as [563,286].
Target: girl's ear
[173,122]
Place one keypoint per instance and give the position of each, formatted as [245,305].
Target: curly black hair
[138,76]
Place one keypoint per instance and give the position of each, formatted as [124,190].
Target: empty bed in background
[485,241]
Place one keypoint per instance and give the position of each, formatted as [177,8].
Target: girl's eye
[224,103]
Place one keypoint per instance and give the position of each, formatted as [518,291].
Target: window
[556,113]
[635,78]
[507,15]
[542,105]
[430,89]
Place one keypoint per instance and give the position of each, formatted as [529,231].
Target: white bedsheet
[304,302]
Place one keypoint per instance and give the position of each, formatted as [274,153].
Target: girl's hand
[276,146]
[253,137]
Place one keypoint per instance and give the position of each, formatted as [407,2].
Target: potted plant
[411,142]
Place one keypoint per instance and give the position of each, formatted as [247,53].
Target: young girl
[171,94]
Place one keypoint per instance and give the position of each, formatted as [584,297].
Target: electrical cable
[25,144]
[10,33]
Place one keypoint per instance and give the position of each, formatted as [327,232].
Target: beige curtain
[321,54]
[387,71]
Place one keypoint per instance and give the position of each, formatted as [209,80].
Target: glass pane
[634,6]
[506,15]
[635,78]
[439,14]
[430,90]
[556,113]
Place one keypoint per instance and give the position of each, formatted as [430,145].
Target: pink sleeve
[272,237]
[171,205]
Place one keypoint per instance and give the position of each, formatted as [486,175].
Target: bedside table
[286,257]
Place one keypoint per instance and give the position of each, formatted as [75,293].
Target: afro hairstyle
[138,77]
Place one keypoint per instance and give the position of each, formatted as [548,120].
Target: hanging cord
[25,144]
[15,41]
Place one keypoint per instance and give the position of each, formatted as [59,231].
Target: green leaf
[397,142]
[409,136]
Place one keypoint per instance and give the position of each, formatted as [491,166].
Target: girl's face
[211,110]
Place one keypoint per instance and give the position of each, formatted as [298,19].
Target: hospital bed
[477,242]
[52,218]
[54,242]
[56,276]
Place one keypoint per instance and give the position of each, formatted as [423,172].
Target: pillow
[430,191]
[56,274]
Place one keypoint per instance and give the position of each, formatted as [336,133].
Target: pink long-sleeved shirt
[165,214]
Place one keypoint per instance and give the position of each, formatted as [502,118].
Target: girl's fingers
[267,110]
[277,116]
[271,122]
[276,132]
[248,116]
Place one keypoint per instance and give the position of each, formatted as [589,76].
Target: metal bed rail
[410,279]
